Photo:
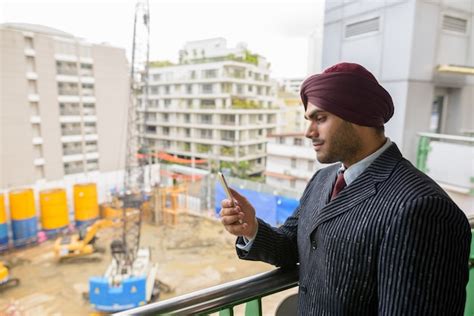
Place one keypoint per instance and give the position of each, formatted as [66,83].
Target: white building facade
[291,161]
[422,52]
[63,105]
[217,104]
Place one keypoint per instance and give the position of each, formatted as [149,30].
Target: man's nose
[312,130]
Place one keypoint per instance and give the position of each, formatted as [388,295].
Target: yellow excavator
[83,243]
[5,280]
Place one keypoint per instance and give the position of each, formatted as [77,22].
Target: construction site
[100,243]
[190,251]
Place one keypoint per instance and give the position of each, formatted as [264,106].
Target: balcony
[70,112]
[72,151]
[435,150]
[70,132]
[447,159]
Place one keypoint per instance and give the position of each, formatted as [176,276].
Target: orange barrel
[3,224]
[54,213]
[23,217]
[86,206]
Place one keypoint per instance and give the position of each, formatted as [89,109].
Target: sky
[277,30]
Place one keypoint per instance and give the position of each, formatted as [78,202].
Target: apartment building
[217,104]
[291,85]
[291,161]
[63,105]
[291,117]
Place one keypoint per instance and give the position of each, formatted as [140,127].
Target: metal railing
[437,151]
[222,298]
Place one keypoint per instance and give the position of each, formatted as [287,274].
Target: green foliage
[160,63]
[245,104]
[227,151]
[203,148]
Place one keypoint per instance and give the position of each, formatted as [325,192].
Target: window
[209,73]
[310,165]
[292,183]
[167,89]
[207,88]
[454,24]
[150,129]
[187,118]
[228,135]
[157,77]
[167,102]
[281,140]
[34,107]
[293,162]
[92,164]
[153,90]
[206,119]
[66,68]
[87,89]
[166,130]
[297,142]
[30,64]
[86,69]
[165,117]
[206,133]
[208,102]
[227,119]
[29,43]
[89,108]
[187,132]
[32,87]
[362,27]
[68,88]
[189,89]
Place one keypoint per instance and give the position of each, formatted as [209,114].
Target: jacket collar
[363,187]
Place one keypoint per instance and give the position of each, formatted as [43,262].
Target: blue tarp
[273,209]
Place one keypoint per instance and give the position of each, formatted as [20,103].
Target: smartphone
[221,178]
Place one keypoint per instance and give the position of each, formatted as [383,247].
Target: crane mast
[125,250]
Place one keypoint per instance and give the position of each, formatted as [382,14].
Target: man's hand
[238,216]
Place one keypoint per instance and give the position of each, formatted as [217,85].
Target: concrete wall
[112,96]
[49,107]
[403,55]
[16,147]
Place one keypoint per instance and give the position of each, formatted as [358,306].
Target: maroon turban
[351,92]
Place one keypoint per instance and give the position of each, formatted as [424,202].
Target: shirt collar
[351,173]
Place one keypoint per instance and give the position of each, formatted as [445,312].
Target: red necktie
[339,185]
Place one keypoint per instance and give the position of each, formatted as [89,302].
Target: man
[372,234]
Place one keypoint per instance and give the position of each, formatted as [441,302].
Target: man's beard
[343,144]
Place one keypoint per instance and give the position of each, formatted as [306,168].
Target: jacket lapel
[363,187]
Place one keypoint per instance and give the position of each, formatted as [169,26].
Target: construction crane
[130,279]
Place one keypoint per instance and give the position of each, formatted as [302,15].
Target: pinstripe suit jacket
[391,243]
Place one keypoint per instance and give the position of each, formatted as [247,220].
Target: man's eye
[320,119]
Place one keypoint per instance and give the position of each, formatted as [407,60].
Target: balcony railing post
[227,312]
[254,308]
[422,154]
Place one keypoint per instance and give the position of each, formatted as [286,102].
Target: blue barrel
[23,217]
[3,236]
[3,224]
[24,231]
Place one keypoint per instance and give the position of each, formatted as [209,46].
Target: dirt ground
[194,254]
